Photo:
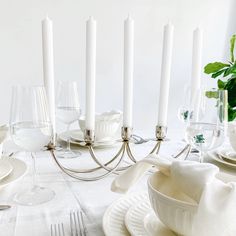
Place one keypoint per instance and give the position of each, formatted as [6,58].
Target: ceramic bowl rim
[195,205]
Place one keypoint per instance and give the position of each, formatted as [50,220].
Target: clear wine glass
[31,129]
[68,111]
[183,110]
[207,127]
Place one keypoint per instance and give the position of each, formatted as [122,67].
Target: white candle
[90,73]
[165,74]
[48,68]
[128,72]
[196,62]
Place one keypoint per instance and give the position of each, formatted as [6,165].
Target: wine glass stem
[33,171]
[68,138]
[201,156]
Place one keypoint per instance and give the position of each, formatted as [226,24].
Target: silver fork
[57,229]
[77,225]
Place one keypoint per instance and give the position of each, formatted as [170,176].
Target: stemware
[31,129]
[68,111]
[183,110]
[207,126]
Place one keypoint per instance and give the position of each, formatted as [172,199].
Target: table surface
[92,197]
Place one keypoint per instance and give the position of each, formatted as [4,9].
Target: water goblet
[31,129]
[68,111]
[207,127]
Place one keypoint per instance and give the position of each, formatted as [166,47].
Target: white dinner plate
[141,220]
[5,168]
[215,156]
[114,217]
[76,138]
[228,155]
[19,169]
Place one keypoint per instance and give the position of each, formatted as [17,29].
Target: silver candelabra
[109,167]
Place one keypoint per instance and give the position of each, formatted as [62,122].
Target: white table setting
[105,178]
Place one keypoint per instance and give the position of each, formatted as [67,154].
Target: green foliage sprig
[228,82]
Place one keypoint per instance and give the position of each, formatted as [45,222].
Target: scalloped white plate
[19,169]
[141,220]
[215,156]
[5,168]
[114,217]
[76,138]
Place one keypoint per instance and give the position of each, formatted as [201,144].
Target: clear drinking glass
[68,111]
[183,110]
[31,129]
[207,126]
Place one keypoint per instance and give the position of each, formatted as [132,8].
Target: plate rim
[114,203]
[82,144]
[214,155]
[8,171]
[128,216]
[17,177]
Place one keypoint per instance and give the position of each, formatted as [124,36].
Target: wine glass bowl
[204,136]
[207,125]
[31,129]
[68,111]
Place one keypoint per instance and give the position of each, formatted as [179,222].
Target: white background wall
[21,55]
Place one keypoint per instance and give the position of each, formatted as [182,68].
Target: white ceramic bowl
[175,209]
[106,125]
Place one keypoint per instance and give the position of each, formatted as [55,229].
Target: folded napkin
[216,215]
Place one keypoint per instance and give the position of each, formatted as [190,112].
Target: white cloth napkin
[216,215]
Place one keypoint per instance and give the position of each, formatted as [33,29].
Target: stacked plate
[224,156]
[133,215]
[77,137]
[11,169]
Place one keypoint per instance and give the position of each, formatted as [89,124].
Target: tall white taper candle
[128,72]
[48,68]
[90,73]
[196,62]
[165,74]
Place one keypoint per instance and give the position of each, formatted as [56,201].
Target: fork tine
[79,222]
[63,230]
[82,222]
[51,230]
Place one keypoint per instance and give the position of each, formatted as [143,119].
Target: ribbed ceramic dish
[176,214]
[114,217]
[141,220]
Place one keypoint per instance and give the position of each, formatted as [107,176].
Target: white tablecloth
[92,197]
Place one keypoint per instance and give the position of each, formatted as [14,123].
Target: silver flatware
[4,207]
[57,229]
[77,225]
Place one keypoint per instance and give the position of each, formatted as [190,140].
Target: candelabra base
[117,163]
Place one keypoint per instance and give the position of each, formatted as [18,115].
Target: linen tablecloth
[92,197]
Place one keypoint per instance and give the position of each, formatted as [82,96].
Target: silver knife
[4,207]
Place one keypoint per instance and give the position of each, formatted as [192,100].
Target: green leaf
[214,67]
[216,74]
[211,94]
[231,114]
[231,87]
[232,44]
[230,70]
[221,84]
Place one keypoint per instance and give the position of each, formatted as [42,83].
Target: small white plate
[19,169]
[114,217]
[141,220]
[5,168]
[215,156]
[76,138]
